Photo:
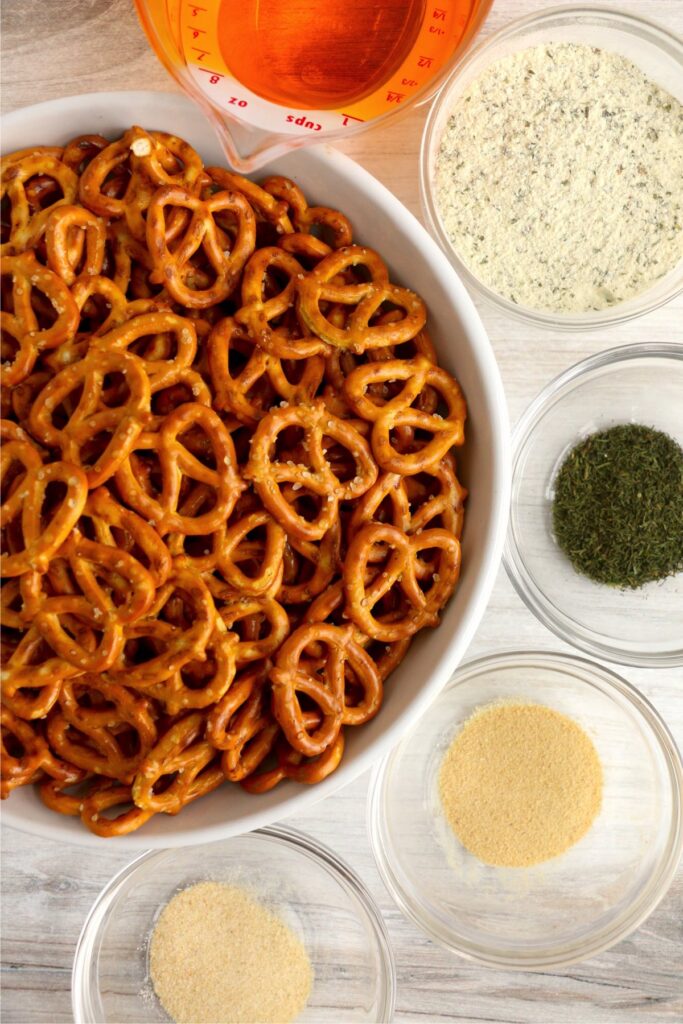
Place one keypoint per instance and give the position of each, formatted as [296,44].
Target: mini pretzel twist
[72,233]
[443,504]
[257,312]
[177,644]
[170,348]
[32,703]
[367,298]
[18,769]
[316,476]
[151,156]
[435,497]
[173,267]
[105,796]
[305,217]
[40,539]
[102,305]
[221,720]
[252,612]
[242,727]
[292,676]
[182,756]
[130,590]
[133,534]
[27,221]
[166,159]
[55,794]
[291,764]
[80,151]
[200,684]
[31,279]
[446,430]
[402,570]
[92,416]
[243,393]
[307,249]
[266,206]
[32,677]
[269,560]
[329,606]
[28,691]
[57,619]
[96,736]
[178,464]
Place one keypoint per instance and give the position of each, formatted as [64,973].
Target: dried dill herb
[618,506]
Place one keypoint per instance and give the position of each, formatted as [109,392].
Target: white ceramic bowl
[416,260]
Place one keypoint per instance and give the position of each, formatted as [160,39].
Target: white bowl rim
[532,595]
[282,834]
[606,680]
[556,321]
[54,826]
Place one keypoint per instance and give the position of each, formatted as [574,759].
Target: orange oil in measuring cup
[304,53]
[275,74]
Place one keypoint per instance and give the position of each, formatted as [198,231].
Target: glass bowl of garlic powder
[552,168]
[268,926]
[532,818]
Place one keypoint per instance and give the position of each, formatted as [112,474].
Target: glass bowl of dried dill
[595,541]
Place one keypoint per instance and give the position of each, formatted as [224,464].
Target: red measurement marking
[349,117]
[425,62]
[202,53]
[395,97]
[195,10]
[439,14]
[437,31]
[408,81]
[197,32]
[214,74]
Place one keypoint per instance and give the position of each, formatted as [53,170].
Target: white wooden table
[54,49]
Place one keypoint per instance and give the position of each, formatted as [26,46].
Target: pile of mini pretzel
[229,497]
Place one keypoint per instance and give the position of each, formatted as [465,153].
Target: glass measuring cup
[276,75]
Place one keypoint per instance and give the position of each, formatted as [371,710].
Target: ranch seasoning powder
[559,178]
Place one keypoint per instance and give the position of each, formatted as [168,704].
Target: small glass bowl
[569,908]
[658,53]
[315,893]
[631,384]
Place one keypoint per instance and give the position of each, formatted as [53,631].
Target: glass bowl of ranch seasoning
[552,168]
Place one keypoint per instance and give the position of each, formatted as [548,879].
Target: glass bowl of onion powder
[595,537]
[532,817]
[269,926]
[552,168]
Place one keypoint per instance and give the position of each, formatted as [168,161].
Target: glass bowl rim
[302,842]
[592,319]
[531,594]
[412,905]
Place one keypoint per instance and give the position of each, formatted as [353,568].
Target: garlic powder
[218,956]
[559,178]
